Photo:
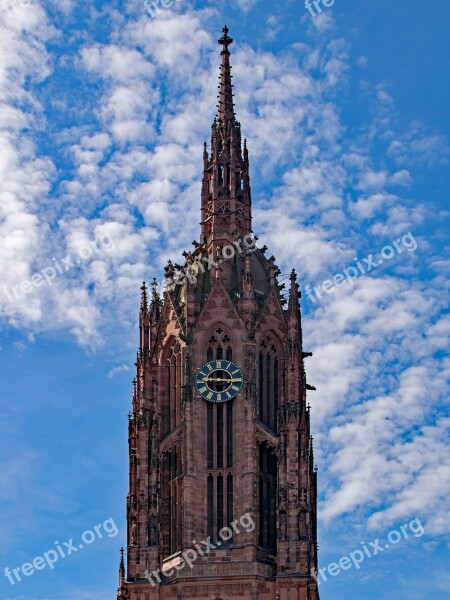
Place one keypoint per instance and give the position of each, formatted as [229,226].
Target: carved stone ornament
[223,590]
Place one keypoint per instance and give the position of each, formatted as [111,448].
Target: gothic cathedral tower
[223,490]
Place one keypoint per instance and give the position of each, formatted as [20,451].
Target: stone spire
[295,328]
[144,324]
[225,98]
[294,294]
[155,310]
[226,194]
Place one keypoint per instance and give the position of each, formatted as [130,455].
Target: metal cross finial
[225,40]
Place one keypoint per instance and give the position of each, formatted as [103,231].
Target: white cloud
[116,370]
[246,5]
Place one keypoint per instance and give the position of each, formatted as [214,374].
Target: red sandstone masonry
[241,298]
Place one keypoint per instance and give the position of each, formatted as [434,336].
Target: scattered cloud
[116,370]
[324,192]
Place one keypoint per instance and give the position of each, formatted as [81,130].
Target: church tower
[222,486]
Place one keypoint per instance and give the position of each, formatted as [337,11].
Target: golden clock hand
[220,379]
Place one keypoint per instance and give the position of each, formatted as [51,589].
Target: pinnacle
[144,304]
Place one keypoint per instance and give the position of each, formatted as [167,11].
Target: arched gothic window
[267,497]
[171,373]
[171,500]
[268,382]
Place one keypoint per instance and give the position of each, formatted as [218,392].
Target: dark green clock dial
[219,380]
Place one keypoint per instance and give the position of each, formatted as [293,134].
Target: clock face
[219,380]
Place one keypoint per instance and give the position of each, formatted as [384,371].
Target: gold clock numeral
[218,364]
[235,388]
[219,397]
[202,390]
[209,396]
[229,395]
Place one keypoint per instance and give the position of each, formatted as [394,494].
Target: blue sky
[103,114]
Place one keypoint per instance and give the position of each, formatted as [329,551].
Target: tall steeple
[226,105]
[237,471]
[226,193]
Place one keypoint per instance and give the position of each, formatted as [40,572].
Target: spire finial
[225,40]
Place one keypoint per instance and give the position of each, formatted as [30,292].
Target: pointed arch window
[171,387]
[268,382]
[267,497]
[171,501]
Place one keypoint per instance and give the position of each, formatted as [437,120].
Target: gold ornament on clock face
[219,380]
